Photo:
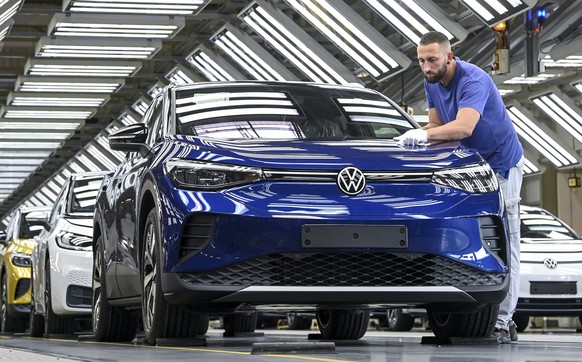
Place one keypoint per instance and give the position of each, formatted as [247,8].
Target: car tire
[203,326]
[8,323]
[342,324]
[521,321]
[298,322]
[36,320]
[109,324]
[399,321]
[476,324]
[53,324]
[160,318]
[239,323]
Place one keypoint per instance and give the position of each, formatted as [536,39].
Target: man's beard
[438,76]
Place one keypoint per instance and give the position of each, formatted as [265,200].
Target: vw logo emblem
[351,181]
[550,263]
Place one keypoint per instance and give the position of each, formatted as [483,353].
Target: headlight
[210,176]
[67,240]
[476,178]
[22,260]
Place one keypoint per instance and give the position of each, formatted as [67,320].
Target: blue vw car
[240,196]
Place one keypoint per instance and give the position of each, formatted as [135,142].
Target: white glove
[413,137]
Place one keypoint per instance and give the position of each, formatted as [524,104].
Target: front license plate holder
[354,236]
[552,288]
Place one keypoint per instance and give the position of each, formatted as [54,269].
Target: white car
[551,268]
[62,260]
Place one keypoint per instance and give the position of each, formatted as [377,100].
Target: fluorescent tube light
[212,65]
[28,83]
[81,68]
[492,12]
[561,110]
[295,44]
[166,7]
[541,138]
[116,26]
[413,18]
[249,55]
[39,99]
[353,35]
[96,48]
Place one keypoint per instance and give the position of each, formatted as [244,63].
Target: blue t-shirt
[494,136]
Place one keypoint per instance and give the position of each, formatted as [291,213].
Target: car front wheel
[521,321]
[160,318]
[53,324]
[473,324]
[7,322]
[342,324]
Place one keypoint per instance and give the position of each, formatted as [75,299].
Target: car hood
[322,154]
[23,246]
[550,245]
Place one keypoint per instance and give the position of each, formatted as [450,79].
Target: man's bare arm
[461,127]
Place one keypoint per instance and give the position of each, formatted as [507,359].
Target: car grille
[79,297]
[546,305]
[347,269]
[22,287]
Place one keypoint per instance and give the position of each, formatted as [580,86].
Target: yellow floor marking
[299,357]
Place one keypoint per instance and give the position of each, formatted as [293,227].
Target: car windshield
[84,194]
[541,225]
[255,111]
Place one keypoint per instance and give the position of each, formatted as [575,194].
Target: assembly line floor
[281,345]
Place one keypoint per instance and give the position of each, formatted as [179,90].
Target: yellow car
[15,248]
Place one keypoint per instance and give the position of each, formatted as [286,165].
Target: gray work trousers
[510,190]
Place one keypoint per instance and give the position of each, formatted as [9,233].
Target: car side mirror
[130,138]
[2,237]
[45,225]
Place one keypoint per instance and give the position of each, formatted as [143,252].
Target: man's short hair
[434,37]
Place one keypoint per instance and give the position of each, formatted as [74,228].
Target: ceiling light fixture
[96,48]
[9,8]
[492,12]
[156,89]
[212,65]
[38,99]
[5,29]
[540,78]
[562,110]
[81,68]
[35,124]
[46,112]
[353,35]
[415,18]
[249,55]
[29,83]
[295,44]
[105,158]
[141,105]
[540,138]
[182,75]
[116,26]
[166,7]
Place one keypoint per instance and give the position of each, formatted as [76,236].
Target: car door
[128,183]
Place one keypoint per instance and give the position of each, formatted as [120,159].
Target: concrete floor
[539,345]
